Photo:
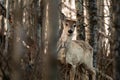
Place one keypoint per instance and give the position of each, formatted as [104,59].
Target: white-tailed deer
[74,52]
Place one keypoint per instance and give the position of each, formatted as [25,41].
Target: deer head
[67,33]
[68,29]
[69,26]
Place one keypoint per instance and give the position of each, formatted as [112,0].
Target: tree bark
[116,38]
[93,27]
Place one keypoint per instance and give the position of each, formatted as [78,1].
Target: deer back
[78,52]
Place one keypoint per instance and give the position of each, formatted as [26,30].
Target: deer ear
[62,16]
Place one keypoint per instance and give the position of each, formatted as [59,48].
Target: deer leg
[72,73]
[92,72]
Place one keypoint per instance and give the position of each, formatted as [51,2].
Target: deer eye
[66,24]
[74,25]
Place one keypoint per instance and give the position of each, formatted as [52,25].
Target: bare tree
[116,38]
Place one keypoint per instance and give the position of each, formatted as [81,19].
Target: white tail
[74,52]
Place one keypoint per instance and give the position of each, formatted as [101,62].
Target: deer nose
[70,31]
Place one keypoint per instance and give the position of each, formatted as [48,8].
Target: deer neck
[68,42]
[65,41]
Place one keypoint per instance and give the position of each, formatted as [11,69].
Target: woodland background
[29,31]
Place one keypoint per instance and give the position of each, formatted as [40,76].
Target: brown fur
[83,44]
[75,52]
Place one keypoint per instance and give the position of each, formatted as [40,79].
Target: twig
[73,10]
[110,62]
[103,74]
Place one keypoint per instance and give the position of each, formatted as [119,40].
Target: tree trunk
[93,26]
[80,18]
[53,31]
[116,38]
